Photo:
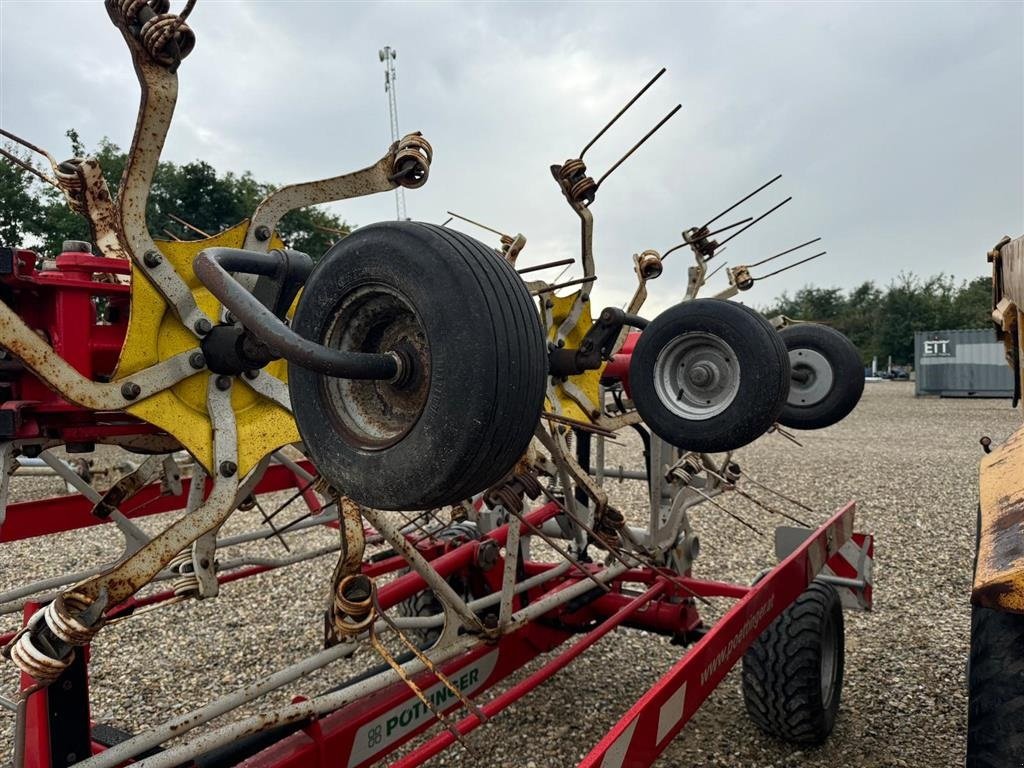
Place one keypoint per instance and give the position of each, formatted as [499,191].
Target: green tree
[19,206]
[881,322]
[973,303]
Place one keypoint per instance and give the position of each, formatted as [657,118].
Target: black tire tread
[848,376]
[508,377]
[781,670]
[519,321]
[995,738]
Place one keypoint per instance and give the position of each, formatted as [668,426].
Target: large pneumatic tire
[464,317]
[995,686]
[829,376]
[995,682]
[709,375]
[793,672]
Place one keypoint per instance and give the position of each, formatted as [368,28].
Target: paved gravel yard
[910,463]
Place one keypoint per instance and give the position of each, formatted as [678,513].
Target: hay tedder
[447,416]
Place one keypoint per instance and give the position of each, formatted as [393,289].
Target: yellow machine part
[999,576]
[155,334]
[580,396]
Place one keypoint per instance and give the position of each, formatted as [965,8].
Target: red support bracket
[650,725]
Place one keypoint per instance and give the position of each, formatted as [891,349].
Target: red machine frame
[369,729]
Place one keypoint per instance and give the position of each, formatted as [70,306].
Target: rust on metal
[350,609]
[407,163]
[423,659]
[999,576]
[576,424]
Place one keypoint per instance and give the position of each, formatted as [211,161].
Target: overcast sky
[898,127]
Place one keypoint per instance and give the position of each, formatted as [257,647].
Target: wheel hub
[156,334]
[375,414]
[702,374]
[812,380]
[697,375]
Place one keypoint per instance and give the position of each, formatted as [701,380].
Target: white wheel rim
[377,318]
[817,385]
[697,375]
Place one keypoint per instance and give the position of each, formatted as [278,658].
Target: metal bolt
[130,390]
[549,303]
[71,758]
[262,232]
[152,259]
[701,375]
[487,554]
[228,468]
[253,374]
[585,298]
[203,326]
[223,383]
[196,360]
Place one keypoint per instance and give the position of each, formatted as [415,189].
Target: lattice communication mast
[387,56]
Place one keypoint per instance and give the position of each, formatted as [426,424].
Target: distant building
[969,363]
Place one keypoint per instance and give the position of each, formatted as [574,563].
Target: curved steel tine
[622,111]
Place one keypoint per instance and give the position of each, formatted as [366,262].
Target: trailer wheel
[828,377]
[425,603]
[995,686]
[463,319]
[709,375]
[793,672]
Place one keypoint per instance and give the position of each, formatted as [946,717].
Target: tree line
[880,321]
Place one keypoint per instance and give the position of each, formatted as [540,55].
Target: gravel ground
[910,463]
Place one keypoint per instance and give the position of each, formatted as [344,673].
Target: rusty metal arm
[407,164]
[40,358]
[100,210]
[122,581]
[85,190]
[579,190]
[157,44]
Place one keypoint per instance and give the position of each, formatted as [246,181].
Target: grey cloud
[898,127]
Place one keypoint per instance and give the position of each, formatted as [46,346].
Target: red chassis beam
[367,730]
[372,727]
[28,519]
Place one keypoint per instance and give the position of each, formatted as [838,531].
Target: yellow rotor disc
[579,396]
[155,334]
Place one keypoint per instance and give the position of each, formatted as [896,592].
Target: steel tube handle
[213,267]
